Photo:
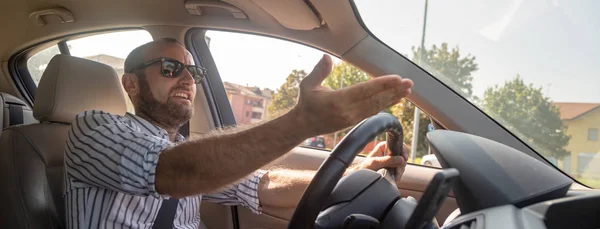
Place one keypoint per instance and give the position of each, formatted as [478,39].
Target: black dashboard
[500,187]
[577,212]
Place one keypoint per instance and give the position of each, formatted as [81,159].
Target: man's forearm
[221,158]
[283,188]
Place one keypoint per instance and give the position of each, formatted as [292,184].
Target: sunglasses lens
[170,69]
[197,72]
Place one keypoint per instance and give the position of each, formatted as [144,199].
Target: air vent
[471,223]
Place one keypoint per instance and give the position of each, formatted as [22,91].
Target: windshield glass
[533,66]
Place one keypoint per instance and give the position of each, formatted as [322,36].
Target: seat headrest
[71,85]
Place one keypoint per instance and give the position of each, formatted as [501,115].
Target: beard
[168,114]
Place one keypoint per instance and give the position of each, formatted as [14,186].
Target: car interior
[491,188]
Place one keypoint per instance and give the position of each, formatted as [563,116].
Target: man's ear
[131,84]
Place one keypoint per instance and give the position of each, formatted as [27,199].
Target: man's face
[168,101]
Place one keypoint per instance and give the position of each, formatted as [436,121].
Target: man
[121,170]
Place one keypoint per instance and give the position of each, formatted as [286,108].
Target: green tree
[287,95]
[526,112]
[405,112]
[346,72]
[448,64]
[438,61]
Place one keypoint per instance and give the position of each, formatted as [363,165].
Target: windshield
[533,66]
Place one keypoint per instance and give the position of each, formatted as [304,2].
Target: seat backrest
[14,111]
[31,156]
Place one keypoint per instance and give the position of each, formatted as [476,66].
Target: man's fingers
[319,73]
[405,151]
[371,101]
[378,102]
[400,170]
[385,162]
[365,90]
[378,150]
[390,97]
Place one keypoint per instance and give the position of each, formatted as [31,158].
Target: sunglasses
[172,68]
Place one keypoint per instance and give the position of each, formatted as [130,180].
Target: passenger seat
[14,111]
[31,156]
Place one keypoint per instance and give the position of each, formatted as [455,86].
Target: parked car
[430,160]
[315,142]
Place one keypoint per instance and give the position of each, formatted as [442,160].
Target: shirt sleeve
[107,151]
[243,193]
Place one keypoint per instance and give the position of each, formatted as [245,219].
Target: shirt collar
[152,129]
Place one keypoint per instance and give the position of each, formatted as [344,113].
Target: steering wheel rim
[332,169]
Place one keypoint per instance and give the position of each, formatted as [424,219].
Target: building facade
[583,122]
[249,104]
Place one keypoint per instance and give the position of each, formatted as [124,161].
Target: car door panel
[413,183]
[219,216]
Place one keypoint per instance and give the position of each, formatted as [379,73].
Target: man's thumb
[319,73]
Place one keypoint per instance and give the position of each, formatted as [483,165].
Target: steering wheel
[329,174]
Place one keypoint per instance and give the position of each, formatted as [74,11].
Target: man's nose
[186,78]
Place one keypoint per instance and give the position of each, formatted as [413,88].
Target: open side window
[256,78]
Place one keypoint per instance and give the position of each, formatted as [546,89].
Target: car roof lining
[89,17]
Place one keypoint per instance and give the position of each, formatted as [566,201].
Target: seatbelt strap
[15,114]
[185,130]
[166,214]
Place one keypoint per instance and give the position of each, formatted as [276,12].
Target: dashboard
[577,211]
[501,187]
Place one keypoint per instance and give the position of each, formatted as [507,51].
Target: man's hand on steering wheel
[380,158]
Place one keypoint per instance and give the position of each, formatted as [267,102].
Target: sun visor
[292,14]
[197,7]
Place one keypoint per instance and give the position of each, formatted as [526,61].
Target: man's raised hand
[321,110]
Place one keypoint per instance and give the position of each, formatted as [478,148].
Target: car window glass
[261,77]
[37,63]
[532,66]
[109,48]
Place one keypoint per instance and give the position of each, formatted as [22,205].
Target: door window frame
[214,90]
[17,63]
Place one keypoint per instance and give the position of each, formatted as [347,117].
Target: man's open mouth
[182,95]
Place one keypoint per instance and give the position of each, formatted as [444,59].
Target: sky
[550,43]
[121,43]
[259,61]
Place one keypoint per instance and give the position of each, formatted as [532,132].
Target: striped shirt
[110,164]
